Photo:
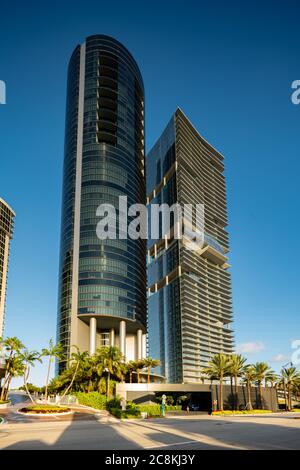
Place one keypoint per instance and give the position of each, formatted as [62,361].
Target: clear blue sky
[229,66]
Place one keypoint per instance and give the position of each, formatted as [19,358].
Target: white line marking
[174,444]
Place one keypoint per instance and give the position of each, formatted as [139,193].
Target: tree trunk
[149,370]
[236,392]
[7,387]
[25,377]
[130,376]
[70,386]
[260,396]
[5,377]
[285,399]
[249,395]
[47,379]
[108,386]
[221,393]
[138,375]
[289,398]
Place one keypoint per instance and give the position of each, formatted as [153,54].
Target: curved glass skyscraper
[102,283]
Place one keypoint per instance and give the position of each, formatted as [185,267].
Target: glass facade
[7,216]
[111,277]
[189,293]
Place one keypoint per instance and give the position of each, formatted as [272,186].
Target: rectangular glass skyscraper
[189,292]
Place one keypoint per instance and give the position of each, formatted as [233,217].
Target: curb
[42,415]
[3,406]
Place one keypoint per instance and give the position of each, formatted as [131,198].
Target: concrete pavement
[202,432]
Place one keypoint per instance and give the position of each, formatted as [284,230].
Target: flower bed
[239,412]
[44,409]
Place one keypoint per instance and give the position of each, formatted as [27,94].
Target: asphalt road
[272,432]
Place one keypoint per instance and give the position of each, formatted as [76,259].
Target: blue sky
[229,66]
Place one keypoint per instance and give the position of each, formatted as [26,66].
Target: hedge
[125,414]
[155,410]
[92,399]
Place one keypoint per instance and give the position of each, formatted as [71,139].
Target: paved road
[272,432]
[18,397]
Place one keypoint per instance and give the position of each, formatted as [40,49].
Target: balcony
[213,251]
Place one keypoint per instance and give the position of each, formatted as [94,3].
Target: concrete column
[144,346]
[139,342]
[93,331]
[112,337]
[122,336]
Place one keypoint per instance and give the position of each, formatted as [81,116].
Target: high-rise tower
[190,311]
[7,216]
[102,283]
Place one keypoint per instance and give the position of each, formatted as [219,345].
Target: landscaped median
[240,412]
[44,410]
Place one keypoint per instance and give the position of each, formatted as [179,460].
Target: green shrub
[155,410]
[126,414]
[92,399]
[113,403]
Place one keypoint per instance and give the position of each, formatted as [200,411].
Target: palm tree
[218,368]
[78,359]
[236,368]
[12,345]
[53,351]
[290,377]
[261,371]
[249,376]
[109,360]
[271,378]
[138,365]
[28,358]
[131,367]
[149,363]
